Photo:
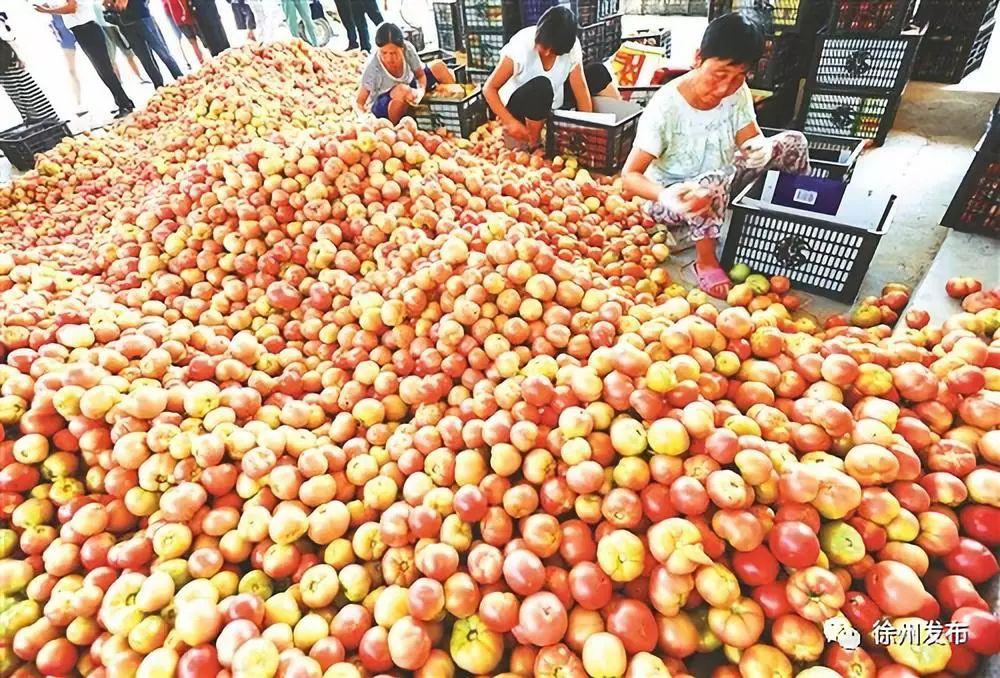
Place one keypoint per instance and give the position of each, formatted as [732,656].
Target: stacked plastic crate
[780,69]
[861,65]
[489,24]
[958,34]
[600,23]
[976,205]
[450,24]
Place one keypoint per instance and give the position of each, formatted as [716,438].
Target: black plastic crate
[779,65]
[415,36]
[775,15]
[591,41]
[948,16]
[21,143]
[815,252]
[868,116]
[449,24]
[477,76]
[449,59]
[865,62]
[639,94]
[871,17]
[611,38]
[461,117]
[606,8]
[949,58]
[597,146]
[665,7]
[482,50]
[492,16]
[830,157]
[976,205]
[652,37]
[778,110]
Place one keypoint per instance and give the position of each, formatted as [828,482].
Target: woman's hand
[686,198]
[416,94]
[756,152]
[517,130]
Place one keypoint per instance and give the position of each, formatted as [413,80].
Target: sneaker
[122,112]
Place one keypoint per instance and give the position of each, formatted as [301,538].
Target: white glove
[757,152]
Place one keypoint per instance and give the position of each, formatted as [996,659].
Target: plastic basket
[448,22]
[775,15]
[597,146]
[779,65]
[778,110]
[665,7]
[449,59]
[830,157]
[698,8]
[461,117]
[591,40]
[21,143]
[949,58]
[611,38]
[976,205]
[492,16]
[415,36]
[478,76]
[606,8]
[815,252]
[653,37]
[867,116]
[865,62]
[482,50]
[640,94]
[948,16]
[871,17]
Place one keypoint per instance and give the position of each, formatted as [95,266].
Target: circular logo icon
[792,251]
[843,116]
[858,62]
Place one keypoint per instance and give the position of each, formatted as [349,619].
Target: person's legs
[28,97]
[439,71]
[191,35]
[305,16]
[599,83]
[361,25]
[157,45]
[136,37]
[347,18]
[69,55]
[178,34]
[371,9]
[91,40]
[532,103]
[703,216]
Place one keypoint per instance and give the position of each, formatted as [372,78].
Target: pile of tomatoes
[292,394]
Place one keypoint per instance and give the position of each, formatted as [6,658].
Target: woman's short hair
[556,29]
[388,34]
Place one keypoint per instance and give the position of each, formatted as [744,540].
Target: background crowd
[147,42]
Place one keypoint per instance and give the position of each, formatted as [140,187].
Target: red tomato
[794,544]
[981,522]
[861,611]
[984,629]
[955,591]
[633,622]
[590,586]
[973,560]
[756,567]
[773,599]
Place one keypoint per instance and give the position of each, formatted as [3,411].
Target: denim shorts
[380,108]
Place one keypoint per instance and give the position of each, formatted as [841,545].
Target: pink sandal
[712,279]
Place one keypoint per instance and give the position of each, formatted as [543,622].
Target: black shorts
[533,100]
[244,17]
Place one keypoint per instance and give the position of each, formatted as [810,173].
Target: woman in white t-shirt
[698,140]
[542,69]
